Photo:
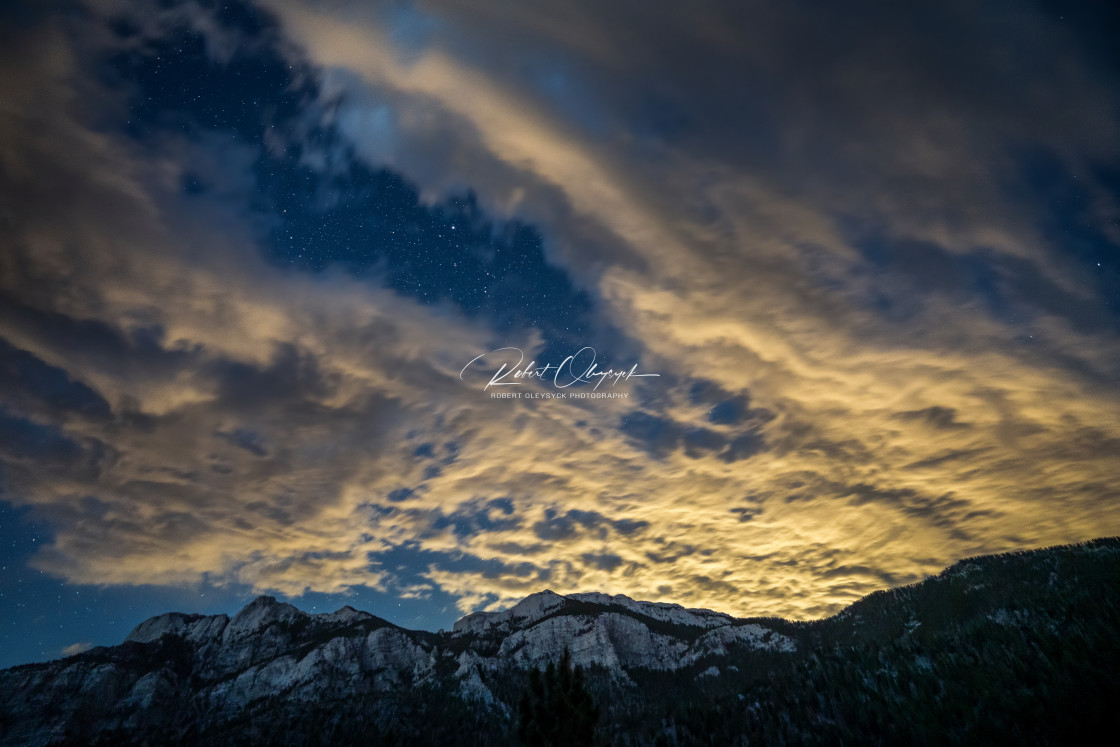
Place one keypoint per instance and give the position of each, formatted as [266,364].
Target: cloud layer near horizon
[882,347]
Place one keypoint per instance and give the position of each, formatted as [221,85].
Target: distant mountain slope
[1018,648]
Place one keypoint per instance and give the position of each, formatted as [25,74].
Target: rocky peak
[196,628]
[663,611]
[536,607]
[259,614]
[344,616]
[200,679]
[529,610]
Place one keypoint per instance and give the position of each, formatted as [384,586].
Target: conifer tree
[556,709]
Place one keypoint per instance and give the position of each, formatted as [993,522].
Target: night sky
[870,249]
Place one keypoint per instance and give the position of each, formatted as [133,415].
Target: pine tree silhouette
[556,709]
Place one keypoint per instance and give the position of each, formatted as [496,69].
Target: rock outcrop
[179,663]
[273,674]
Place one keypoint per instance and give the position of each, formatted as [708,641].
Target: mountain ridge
[271,665]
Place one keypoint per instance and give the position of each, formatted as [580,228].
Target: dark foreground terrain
[1007,649]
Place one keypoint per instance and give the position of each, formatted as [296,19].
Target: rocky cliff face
[178,663]
[613,632]
[1014,625]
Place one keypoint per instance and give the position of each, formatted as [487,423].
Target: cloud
[76,648]
[847,400]
[846,276]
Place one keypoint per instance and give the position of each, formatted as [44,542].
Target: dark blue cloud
[29,448]
[22,438]
[700,442]
[245,438]
[746,513]
[1013,290]
[476,517]
[401,494]
[629,526]
[673,553]
[943,418]
[291,376]
[744,446]
[561,526]
[28,383]
[409,562]
[97,345]
[602,561]
[661,436]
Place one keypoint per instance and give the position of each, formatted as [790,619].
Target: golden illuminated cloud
[802,447]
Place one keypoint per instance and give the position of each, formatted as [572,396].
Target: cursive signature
[578,368]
